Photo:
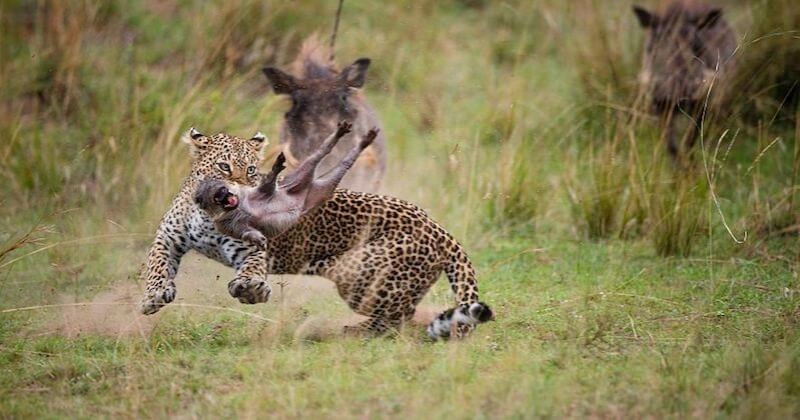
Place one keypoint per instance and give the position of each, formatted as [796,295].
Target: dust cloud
[202,286]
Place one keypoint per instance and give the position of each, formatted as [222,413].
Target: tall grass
[774,211]
[678,212]
[596,193]
[515,190]
[502,124]
[766,86]
[515,124]
[603,50]
[519,188]
[118,104]
[617,188]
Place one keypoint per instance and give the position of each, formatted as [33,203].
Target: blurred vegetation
[517,124]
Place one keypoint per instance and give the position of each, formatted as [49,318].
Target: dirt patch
[202,286]
[321,328]
[296,291]
[425,314]
[112,312]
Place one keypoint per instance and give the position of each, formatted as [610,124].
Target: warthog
[689,46]
[321,97]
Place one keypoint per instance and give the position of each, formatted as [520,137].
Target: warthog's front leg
[322,188]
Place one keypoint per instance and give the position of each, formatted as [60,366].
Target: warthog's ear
[354,74]
[282,83]
[709,19]
[646,19]
[197,141]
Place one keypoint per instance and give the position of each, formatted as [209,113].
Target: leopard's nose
[239,177]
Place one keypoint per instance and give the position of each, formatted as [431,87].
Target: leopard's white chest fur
[205,239]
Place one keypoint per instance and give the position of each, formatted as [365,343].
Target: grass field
[623,287]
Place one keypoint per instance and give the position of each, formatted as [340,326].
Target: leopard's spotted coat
[185,226]
[382,253]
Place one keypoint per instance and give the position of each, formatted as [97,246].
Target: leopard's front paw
[155,299]
[250,291]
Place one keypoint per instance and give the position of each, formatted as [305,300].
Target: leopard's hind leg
[379,285]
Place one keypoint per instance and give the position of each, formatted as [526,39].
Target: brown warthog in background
[321,97]
[689,46]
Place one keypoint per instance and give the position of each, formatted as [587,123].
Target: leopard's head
[226,157]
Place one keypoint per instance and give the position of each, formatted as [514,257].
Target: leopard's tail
[459,321]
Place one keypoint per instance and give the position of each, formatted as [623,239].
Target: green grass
[583,329]
[624,286]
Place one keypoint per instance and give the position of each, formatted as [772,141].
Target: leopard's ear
[258,142]
[197,141]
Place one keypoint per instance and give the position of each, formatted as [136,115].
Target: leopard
[185,227]
[382,253]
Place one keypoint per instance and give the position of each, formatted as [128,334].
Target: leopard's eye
[224,167]
[251,170]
